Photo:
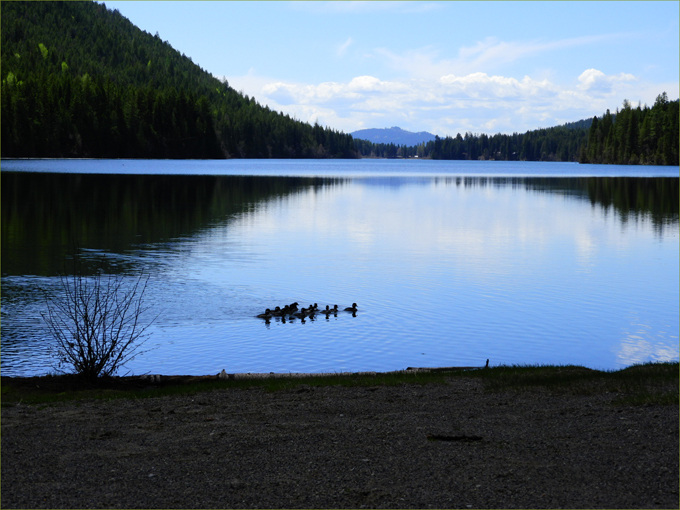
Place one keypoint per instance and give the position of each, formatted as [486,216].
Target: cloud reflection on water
[462,268]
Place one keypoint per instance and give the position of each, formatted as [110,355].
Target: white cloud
[448,105]
[372,84]
[342,49]
[361,88]
[597,81]
[481,84]
[421,63]
[487,54]
[492,51]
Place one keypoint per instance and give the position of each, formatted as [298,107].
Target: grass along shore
[641,384]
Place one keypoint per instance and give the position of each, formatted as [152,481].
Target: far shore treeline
[80,80]
[631,136]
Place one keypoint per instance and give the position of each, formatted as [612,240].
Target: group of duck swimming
[292,310]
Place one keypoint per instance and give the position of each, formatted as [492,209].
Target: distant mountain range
[394,135]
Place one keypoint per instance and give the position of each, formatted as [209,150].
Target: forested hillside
[80,80]
[641,135]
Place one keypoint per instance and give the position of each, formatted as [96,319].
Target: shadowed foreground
[343,447]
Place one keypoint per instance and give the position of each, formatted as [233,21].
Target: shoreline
[649,381]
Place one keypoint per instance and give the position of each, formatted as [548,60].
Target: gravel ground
[339,447]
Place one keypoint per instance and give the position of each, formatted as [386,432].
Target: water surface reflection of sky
[446,271]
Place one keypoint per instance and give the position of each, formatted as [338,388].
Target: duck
[328,310]
[352,309]
[311,309]
[266,315]
[281,312]
[304,312]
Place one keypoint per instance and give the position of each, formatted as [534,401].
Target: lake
[450,262]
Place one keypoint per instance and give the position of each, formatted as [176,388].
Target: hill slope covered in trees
[80,80]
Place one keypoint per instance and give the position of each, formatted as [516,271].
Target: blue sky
[442,67]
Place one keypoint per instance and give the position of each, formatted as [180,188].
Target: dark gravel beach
[406,446]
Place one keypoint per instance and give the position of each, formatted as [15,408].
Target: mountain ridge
[395,135]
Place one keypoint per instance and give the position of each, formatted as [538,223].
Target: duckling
[329,311]
[266,315]
[352,309]
[283,311]
[304,312]
[293,307]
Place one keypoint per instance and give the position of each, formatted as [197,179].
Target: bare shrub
[97,322]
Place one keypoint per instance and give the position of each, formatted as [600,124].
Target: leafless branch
[99,323]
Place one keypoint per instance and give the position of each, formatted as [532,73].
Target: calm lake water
[450,263]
